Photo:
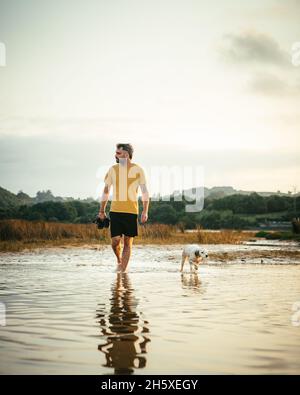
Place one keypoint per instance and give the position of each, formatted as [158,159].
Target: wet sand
[68,312]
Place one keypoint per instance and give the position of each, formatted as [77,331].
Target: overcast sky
[187,82]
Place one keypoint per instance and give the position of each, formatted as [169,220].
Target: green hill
[10,200]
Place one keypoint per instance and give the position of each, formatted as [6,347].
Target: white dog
[195,254]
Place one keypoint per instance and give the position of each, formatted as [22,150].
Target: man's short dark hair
[126,147]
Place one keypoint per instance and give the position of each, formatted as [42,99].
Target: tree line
[233,211]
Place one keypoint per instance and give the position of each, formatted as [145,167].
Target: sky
[187,82]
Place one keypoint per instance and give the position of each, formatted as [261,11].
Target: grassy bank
[278,235]
[17,235]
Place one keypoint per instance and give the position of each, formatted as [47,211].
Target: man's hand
[102,215]
[144,217]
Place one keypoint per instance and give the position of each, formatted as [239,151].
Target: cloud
[252,47]
[269,67]
[269,84]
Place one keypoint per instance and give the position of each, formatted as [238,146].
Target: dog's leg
[183,259]
[191,266]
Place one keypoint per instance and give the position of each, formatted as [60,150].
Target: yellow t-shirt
[125,181]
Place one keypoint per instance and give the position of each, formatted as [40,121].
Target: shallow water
[68,312]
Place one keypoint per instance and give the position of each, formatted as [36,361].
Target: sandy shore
[260,252]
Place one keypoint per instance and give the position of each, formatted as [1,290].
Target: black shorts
[123,223]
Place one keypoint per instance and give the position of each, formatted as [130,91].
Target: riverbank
[19,235]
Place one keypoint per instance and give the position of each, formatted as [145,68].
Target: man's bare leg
[116,246]
[126,251]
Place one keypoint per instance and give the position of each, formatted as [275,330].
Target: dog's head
[200,254]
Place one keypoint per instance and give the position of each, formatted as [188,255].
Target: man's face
[120,153]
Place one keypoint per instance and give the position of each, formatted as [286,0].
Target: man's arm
[145,199]
[105,193]
[104,199]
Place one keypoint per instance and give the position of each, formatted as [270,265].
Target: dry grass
[155,232]
[17,235]
[226,236]
[20,230]
[168,234]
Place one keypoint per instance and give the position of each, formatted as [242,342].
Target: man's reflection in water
[123,329]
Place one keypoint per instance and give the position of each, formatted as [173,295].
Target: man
[125,177]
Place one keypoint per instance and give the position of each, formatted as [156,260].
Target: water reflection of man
[123,329]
